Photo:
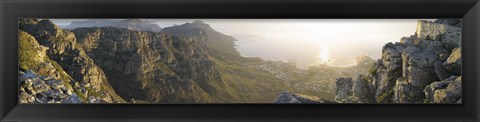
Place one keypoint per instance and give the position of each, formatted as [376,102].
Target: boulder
[289,97]
[435,47]
[384,73]
[43,89]
[349,99]
[362,89]
[418,66]
[457,22]
[404,92]
[439,32]
[343,88]
[441,72]
[392,55]
[454,62]
[447,91]
[408,41]
[430,89]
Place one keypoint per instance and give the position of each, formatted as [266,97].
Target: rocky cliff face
[155,67]
[422,68]
[42,80]
[86,78]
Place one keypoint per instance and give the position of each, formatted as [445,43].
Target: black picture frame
[11,10]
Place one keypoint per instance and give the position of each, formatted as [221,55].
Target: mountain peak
[198,22]
[132,24]
[134,21]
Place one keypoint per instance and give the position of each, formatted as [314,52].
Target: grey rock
[404,92]
[440,32]
[23,76]
[343,88]
[35,89]
[39,86]
[384,81]
[435,47]
[418,67]
[289,97]
[451,94]
[441,72]
[430,89]
[408,41]
[388,71]
[349,99]
[362,89]
[392,56]
[454,62]
[450,21]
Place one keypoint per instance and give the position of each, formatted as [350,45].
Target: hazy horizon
[304,41]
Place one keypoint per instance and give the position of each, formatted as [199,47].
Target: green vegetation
[385,97]
[81,95]
[27,51]
[373,70]
[30,59]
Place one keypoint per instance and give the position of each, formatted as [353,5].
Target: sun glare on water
[324,56]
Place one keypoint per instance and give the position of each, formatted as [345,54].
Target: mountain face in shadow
[132,24]
[154,67]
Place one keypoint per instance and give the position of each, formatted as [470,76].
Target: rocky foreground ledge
[423,68]
[289,97]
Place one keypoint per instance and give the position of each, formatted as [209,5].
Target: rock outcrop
[457,22]
[46,89]
[289,97]
[86,77]
[454,62]
[354,91]
[446,34]
[407,93]
[343,88]
[419,69]
[387,71]
[446,91]
[435,44]
[155,67]
[42,80]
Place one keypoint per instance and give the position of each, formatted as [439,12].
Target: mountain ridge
[132,24]
[193,63]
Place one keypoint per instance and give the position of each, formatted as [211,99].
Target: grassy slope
[248,84]
[29,59]
[254,85]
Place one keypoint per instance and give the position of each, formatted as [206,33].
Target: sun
[324,56]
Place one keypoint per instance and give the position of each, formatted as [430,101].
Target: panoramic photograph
[236,61]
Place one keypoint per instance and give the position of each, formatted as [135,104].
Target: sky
[305,41]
